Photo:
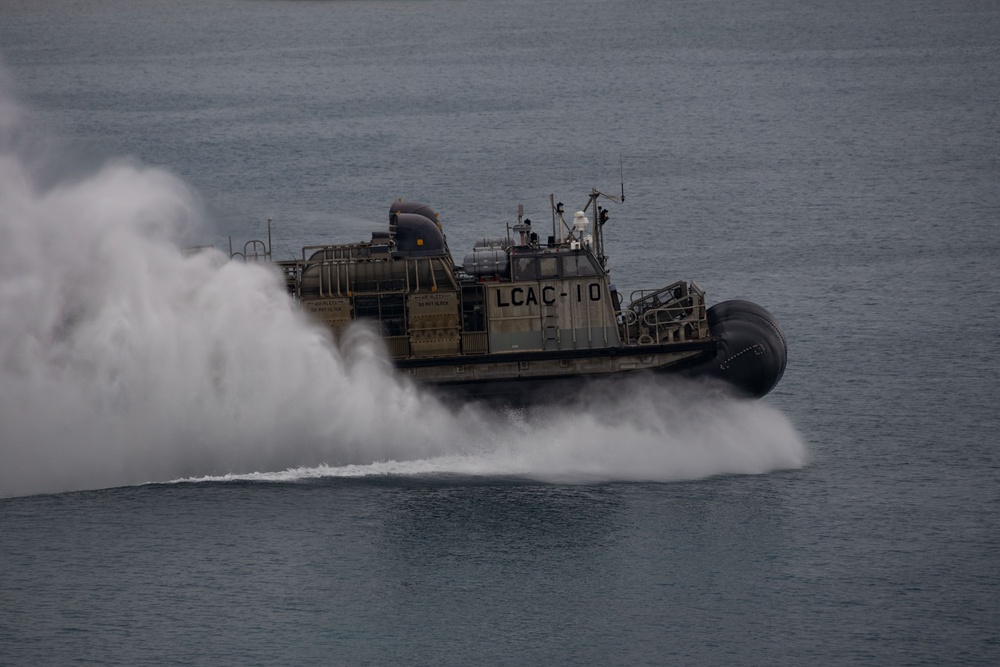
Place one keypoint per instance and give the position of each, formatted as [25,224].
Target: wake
[686,435]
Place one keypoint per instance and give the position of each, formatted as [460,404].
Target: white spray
[124,361]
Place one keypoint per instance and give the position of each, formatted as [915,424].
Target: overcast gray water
[189,473]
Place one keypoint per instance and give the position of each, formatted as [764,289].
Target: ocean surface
[191,474]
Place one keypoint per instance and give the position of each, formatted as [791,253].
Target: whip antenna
[621,172]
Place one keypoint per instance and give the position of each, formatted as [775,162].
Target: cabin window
[524,269]
[548,267]
[578,265]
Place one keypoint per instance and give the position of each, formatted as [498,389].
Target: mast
[601,217]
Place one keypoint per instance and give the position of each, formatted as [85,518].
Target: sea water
[192,473]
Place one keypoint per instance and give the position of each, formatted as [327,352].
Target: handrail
[334,273]
[674,313]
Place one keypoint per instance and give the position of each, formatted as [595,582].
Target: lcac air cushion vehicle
[524,317]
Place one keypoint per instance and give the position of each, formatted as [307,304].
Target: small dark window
[524,269]
[548,267]
[578,265]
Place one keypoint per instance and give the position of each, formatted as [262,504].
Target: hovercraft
[526,312]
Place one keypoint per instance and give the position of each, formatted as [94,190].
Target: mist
[124,360]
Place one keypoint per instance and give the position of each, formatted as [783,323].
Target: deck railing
[672,314]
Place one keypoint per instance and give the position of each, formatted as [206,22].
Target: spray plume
[123,360]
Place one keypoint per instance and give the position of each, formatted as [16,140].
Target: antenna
[552,204]
[621,171]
